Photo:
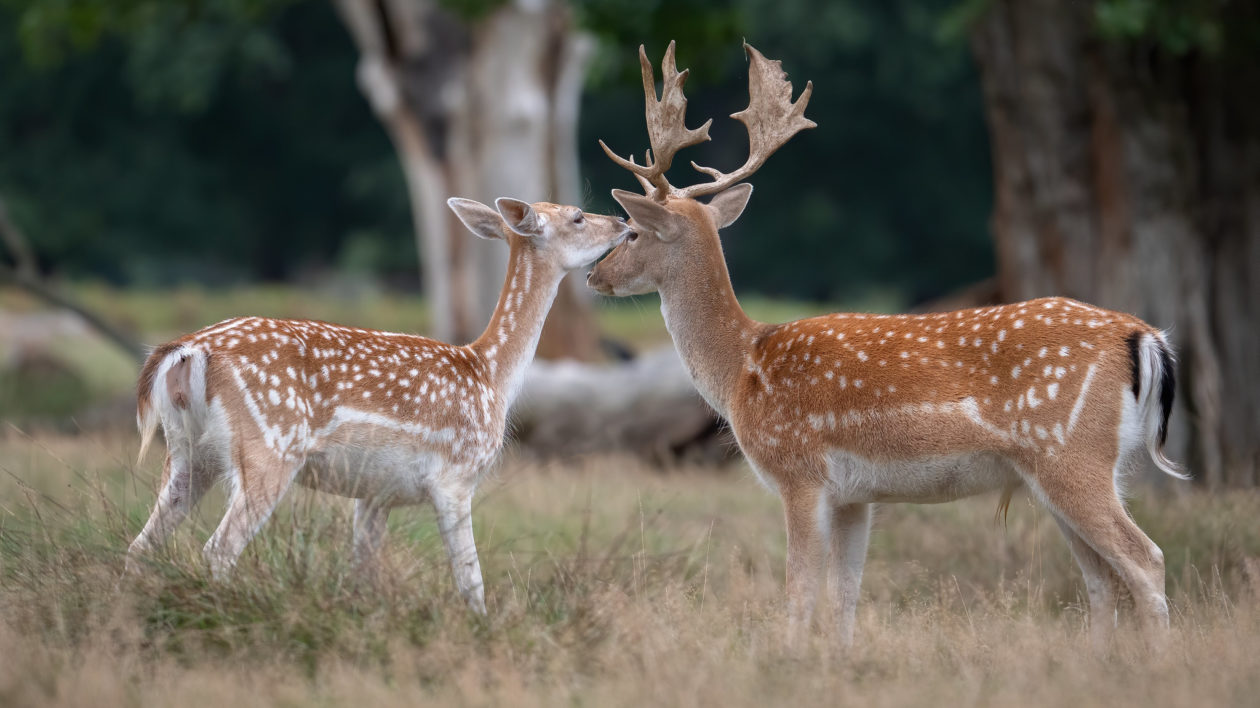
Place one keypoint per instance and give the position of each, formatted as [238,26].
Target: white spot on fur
[1080,398]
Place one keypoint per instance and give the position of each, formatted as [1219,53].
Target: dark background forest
[968,152]
[226,145]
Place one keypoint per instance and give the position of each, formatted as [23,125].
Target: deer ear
[648,214]
[519,216]
[479,218]
[729,204]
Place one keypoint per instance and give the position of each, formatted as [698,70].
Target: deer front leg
[454,517]
[806,556]
[370,525]
[850,534]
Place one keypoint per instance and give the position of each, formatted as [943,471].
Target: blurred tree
[1126,140]
[480,100]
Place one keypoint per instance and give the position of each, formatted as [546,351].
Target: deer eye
[579,218]
[632,236]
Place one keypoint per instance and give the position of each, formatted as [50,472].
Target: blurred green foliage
[175,50]
[1177,26]
[891,191]
[208,142]
[708,34]
[161,142]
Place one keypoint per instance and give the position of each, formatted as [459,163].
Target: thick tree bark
[481,111]
[1125,177]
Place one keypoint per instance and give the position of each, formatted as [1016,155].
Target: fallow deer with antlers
[388,419]
[842,411]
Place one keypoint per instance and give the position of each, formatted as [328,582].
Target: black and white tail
[1154,385]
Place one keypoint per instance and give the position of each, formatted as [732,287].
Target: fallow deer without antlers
[388,419]
[846,410]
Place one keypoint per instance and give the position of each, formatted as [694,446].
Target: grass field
[608,584]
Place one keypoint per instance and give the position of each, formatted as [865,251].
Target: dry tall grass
[608,584]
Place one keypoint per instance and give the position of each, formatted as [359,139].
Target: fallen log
[646,406]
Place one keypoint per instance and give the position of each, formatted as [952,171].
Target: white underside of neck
[691,359]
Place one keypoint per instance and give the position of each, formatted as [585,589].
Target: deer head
[556,233]
[671,228]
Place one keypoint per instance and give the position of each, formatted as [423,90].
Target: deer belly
[402,474]
[924,480]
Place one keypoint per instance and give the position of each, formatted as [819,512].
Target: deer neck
[510,339]
[712,333]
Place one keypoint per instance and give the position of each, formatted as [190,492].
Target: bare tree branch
[15,241]
[25,275]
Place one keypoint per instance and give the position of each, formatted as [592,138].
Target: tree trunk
[482,110]
[1127,178]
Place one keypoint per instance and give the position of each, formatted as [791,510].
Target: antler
[667,129]
[772,118]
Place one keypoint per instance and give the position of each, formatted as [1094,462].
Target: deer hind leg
[1090,506]
[1101,584]
[261,479]
[806,555]
[454,517]
[850,528]
[184,483]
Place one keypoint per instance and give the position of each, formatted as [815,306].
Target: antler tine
[667,126]
[643,173]
[667,129]
[772,118]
